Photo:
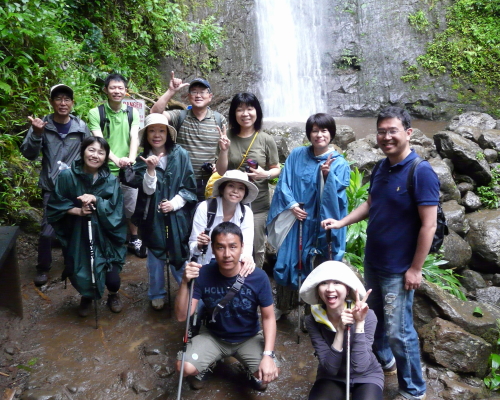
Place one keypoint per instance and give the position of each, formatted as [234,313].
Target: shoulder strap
[240,280]
[182,117]
[242,213]
[218,119]
[411,173]
[102,118]
[211,211]
[130,113]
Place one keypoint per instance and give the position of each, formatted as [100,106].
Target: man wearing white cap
[198,128]
[58,137]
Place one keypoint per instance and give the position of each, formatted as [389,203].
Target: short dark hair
[395,112]
[92,139]
[248,99]
[115,77]
[226,228]
[169,144]
[323,121]
[223,185]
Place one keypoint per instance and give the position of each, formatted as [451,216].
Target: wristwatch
[269,176]
[269,353]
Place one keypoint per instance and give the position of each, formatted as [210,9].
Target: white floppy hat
[235,175]
[330,270]
[156,118]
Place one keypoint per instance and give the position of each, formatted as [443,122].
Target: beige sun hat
[235,175]
[157,118]
[330,270]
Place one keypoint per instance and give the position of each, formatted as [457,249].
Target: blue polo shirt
[394,223]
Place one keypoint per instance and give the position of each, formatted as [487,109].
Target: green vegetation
[492,381]
[468,49]
[489,198]
[479,156]
[419,21]
[79,42]
[445,278]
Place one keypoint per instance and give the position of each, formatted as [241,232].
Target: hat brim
[330,270]
[253,191]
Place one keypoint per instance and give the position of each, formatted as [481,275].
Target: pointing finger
[172,75]
[30,118]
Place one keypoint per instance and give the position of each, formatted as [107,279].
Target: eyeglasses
[63,100]
[203,93]
[392,132]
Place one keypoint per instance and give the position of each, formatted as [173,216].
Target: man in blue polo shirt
[399,235]
[233,328]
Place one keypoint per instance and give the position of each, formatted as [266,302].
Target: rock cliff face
[365,47]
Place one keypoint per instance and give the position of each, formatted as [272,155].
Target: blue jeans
[395,336]
[156,277]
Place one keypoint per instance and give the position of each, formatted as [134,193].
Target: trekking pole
[92,257]
[329,241]
[204,250]
[301,205]
[348,362]
[186,332]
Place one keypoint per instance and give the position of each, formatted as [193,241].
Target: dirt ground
[52,353]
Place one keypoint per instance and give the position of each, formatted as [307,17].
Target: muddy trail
[52,353]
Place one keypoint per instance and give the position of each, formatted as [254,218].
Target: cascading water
[291,81]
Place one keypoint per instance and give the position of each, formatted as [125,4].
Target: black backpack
[104,122]
[442,225]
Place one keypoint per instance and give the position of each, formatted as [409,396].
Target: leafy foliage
[492,381]
[487,194]
[445,278]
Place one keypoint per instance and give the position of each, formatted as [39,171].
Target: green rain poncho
[108,226]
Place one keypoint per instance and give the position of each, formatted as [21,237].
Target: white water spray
[291,81]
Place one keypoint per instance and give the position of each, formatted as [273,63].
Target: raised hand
[176,83]
[152,161]
[361,307]
[224,141]
[37,125]
[325,167]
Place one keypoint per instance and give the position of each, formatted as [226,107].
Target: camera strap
[248,150]
[240,280]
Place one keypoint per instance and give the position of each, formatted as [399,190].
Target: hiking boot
[199,381]
[255,383]
[137,248]
[41,278]
[393,370]
[114,303]
[85,305]
[158,304]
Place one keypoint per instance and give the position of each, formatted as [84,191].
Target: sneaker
[199,381]
[158,304]
[401,397]
[255,383]
[137,248]
[114,303]
[41,278]
[85,305]
[393,370]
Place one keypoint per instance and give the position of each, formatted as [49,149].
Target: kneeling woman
[326,288]
[167,193]
[88,191]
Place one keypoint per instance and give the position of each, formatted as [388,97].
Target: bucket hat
[156,118]
[235,175]
[330,270]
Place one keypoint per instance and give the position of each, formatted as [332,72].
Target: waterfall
[291,83]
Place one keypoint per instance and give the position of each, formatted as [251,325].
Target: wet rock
[465,187]
[127,378]
[495,280]
[465,178]
[287,139]
[345,135]
[471,201]
[490,155]
[484,239]
[463,153]
[490,295]
[421,151]
[72,389]
[10,350]
[371,139]
[140,387]
[151,350]
[490,139]
[472,280]
[469,132]
[160,364]
[449,164]
[474,119]
[363,157]
[454,389]
[455,217]
[457,251]
[448,186]
[418,138]
[453,348]
[30,220]
[431,301]
[41,395]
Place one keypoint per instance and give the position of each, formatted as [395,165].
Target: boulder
[490,156]
[345,135]
[469,132]
[463,154]
[418,138]
[490,139]
[473,119]
[484,239]
[490,295]
[448,186]
[455,217]
[287,139]
[457,388]
[471,280]
[464,187]
[456,251]
[450,346]
[363,156]
[431,301]
[449,163]
[471,201]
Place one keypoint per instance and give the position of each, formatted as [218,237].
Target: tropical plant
[492,381]
[445,278]
[488,194]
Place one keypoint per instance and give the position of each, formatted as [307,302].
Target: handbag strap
[249,147]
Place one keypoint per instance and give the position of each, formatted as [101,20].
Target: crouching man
[233,327]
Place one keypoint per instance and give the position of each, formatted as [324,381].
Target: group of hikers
[196,201]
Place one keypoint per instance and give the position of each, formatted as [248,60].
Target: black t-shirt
[62,129]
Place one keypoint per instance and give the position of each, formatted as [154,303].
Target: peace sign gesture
[361,308]
[325,167]
[224,141]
